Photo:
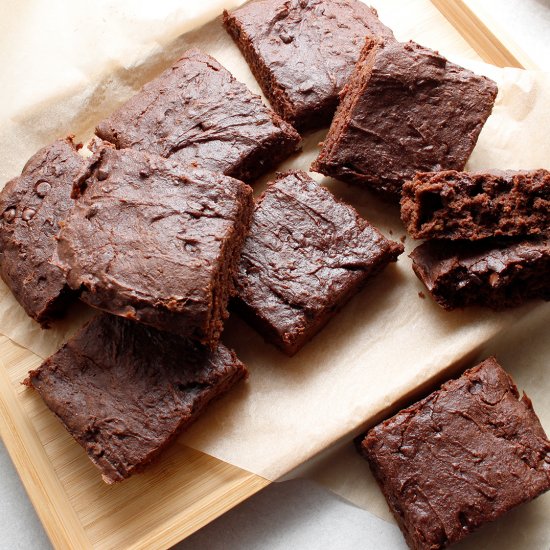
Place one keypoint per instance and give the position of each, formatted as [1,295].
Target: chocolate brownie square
[406,109]
[303,52]
[497,273]
[197,113]
[124,390]
[306,255]
[154,242]
[460,458]
[463,205]
[31,207]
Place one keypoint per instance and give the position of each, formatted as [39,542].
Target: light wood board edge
[485,36]
[50,500]
[35,470]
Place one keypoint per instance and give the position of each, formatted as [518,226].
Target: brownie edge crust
[460,458]
[124,390]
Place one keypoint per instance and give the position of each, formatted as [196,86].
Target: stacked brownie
[488,236]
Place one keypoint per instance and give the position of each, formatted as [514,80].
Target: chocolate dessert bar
[405,109]
[306,255]
[31,207]
[460,458]
[154,242]
[497,273]
[302,53]
[124,390]
[462,205]
[197,114]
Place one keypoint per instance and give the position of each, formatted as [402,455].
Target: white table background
[298,513]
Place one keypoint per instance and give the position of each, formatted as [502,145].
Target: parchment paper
[384,344]
[524,351]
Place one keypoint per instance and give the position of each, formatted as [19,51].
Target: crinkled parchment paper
[385,343]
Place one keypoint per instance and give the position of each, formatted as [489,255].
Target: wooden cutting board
[186,489]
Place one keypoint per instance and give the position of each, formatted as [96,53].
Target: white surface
[295,514]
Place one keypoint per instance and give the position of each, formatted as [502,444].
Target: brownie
[306,255]
[154,242]
[460,458]
[496,273]
[463,205]
[303,52]
[197,113]
[405,109]
[32,205]
[125,390]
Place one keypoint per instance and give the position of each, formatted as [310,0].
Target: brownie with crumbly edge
[460,458]
[155,242]
[124,391]
[303,52]
[405,109]
[497,273]
[466,205]
[197,113]
[306,255]
[31,207]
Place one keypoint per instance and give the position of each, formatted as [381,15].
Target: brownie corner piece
[31,207]
[155,242]
[302,53]
[306,255]
[198,114]
[405,109]
[497,272]
[460,458]
[124,391]
[477,205]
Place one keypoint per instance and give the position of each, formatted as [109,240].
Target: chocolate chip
[9,215]
[42,188]
[28,214]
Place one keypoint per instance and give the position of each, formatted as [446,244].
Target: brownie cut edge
[124,391]
[466,205]
[460,458]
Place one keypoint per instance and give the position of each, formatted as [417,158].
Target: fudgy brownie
[405,109]
[154,242]
[197,113]
[305,256]
[497,273]
[462,205]
[460,458]
[31,206]
[124,390]
[303,52]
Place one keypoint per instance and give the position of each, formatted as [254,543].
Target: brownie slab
[124,390]
[464,205]
[460,458]
[306,255]
[302,53]
[405,109]
[31,207]
[197,113]
[154,242]
[496,273]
